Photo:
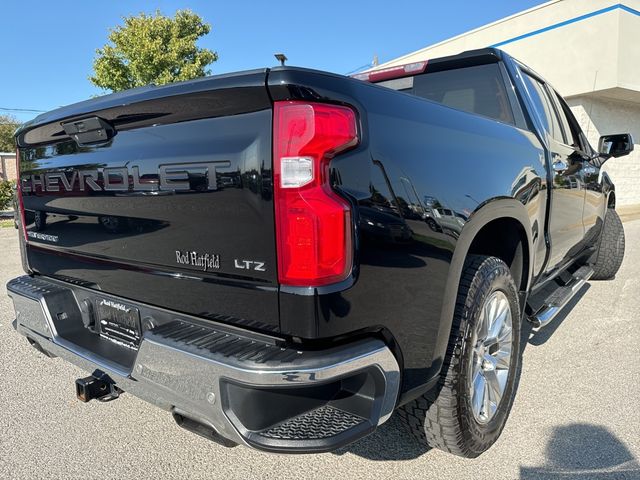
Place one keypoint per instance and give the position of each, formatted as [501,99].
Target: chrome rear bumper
[249,389]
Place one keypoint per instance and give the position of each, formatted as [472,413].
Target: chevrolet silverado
[284,257]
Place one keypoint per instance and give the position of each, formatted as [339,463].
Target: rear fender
[487,212]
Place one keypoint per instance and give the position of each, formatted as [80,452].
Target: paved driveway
[576,415]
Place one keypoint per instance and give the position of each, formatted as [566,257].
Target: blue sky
[47,48]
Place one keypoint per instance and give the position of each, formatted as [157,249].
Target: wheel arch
[609,191]
[487,219]
[611,199]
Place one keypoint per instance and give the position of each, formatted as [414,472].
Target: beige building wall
[589,50]
[599,116]
[8,166]
[629,60]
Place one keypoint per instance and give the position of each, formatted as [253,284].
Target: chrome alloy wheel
[489,366]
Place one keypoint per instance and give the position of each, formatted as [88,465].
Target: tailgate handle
[88,131]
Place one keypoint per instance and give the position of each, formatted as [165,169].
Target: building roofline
[617,6]
[468,32]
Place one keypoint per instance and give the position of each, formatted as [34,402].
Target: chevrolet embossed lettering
[169,177]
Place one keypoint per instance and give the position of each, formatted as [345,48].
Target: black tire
[40,220]
[443,417]
[611,248]
[433,225]
[113,224]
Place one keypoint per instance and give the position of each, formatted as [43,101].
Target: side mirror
[617,145]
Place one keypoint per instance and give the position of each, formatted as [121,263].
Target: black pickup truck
[283,257]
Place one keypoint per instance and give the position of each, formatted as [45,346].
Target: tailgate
[162,195]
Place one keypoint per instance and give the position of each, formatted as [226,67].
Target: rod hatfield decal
[203,261]
[116,305]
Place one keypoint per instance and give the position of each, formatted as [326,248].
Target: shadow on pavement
[584,451]
[391,441]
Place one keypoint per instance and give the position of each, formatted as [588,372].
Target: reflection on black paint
[377,224]
[140,226]
[526,186]
[76,231]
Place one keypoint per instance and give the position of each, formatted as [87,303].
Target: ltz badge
[203,261]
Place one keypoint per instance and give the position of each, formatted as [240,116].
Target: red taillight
[23,225]
[313,223]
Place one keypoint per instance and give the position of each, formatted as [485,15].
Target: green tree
[153,49]
[6,193]
[8,127]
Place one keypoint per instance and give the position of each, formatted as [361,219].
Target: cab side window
[477,89]
[569,123]
[543,104]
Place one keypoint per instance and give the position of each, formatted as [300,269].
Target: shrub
[7,189]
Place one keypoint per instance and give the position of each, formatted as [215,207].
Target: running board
[560,297]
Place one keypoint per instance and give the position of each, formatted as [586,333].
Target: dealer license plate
[119,322]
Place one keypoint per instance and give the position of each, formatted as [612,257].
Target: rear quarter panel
[416,158]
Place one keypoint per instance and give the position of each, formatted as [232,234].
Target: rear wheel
[433,225]
[611,249]
[40,220]
[468,409]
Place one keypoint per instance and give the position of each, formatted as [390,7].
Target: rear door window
[542,103]
[569,123]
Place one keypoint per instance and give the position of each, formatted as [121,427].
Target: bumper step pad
[321,423]
[199,339]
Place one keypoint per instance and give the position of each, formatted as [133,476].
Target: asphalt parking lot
[576,414]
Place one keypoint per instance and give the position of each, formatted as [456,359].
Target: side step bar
[560,297]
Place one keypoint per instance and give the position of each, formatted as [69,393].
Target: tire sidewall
[40,220]
[495,277]
[611,247]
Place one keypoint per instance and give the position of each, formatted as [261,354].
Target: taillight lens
[23,225]
[313,223]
